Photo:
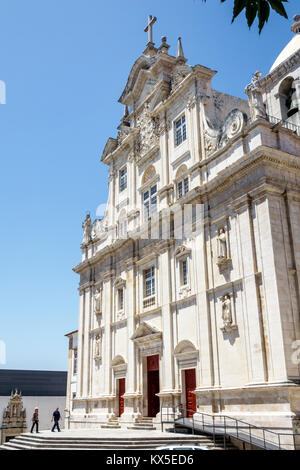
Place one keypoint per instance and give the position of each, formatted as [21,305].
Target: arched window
[289,103]
[182,181]
[149,174]
[149,196]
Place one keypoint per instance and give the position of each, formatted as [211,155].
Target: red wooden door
[153,385]
[121,393]
[190,385]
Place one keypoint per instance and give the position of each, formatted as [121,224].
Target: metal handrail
[236,428]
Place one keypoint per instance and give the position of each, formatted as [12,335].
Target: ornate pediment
[148,339]
[110,146]
[137,77]
[143,331]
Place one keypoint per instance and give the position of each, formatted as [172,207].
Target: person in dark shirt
[56,418]
[35,420]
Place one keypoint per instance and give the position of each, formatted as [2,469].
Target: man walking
[56,418]
[35,420]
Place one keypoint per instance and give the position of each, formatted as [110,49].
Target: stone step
[63,442]
[110,426]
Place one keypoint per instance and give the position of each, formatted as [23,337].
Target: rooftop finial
[296,26]
[149,27]
[164,47]
[179,49]
[180,55]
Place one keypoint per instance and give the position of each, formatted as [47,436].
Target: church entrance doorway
[121,393]
[153,385]
[190,385]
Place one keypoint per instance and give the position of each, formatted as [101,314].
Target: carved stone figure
[98,344]
[98,301]
[254,92]
[226,311]
[227,316]
[222,244]
[87,229]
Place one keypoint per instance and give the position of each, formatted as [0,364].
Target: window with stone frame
[120,298]
[149,282]
[184,272]
[182,187]
[123,179]
[180,130]
[150,201]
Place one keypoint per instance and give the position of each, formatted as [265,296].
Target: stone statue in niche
[227,317]
[98,301]
[98,345]
[222,243]
[87,230]
[223,259]
[254,93]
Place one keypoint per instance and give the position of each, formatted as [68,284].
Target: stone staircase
[61,441]
[112,423]
[143,423]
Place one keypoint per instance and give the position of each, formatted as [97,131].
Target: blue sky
[65,64]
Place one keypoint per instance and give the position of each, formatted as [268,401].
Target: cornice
[280,71]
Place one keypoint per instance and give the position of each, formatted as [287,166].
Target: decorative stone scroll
[148,131]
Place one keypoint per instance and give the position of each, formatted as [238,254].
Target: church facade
[189,285]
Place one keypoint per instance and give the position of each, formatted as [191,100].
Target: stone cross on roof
[149,27]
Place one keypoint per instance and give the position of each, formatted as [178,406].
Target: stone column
[254,323]
[107,334]
[194,119]
[131,396]
[275,246]
[164,158]
[68,393]
[200,274]
[80,351]
[167,362]
[86,342]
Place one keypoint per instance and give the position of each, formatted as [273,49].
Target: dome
[292,47]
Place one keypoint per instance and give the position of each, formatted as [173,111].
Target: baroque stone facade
[14,418]
[208,318]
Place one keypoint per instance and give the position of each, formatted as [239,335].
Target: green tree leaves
[259,9]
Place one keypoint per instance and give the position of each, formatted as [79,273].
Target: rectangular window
[123,179]
[180,130]
[150,202]
[121,299]
[184,273]
[149,282]
[74,361]
[183,187]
